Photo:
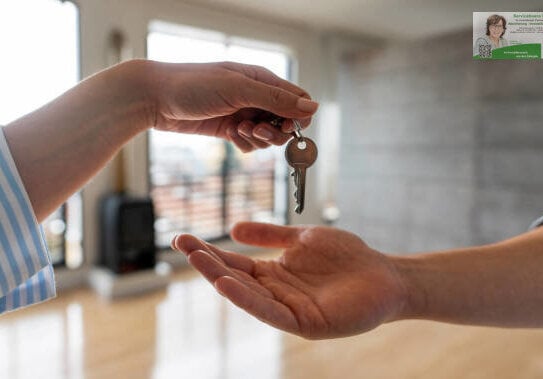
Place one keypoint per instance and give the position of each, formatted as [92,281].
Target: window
[40,60]
[204,185]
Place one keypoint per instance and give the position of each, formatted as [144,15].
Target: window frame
[63,207]
[213,35]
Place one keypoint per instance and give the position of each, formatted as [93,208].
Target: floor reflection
[187,331]
[47,345]
[200,335]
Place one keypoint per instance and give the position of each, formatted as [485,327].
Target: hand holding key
[225,100]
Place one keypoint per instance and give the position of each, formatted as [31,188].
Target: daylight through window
[204,185]
[40,60]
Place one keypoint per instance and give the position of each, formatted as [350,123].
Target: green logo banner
[525,51]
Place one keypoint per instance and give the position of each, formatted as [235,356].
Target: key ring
[298,130]
[278,121]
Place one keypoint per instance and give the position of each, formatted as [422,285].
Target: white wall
[439,151]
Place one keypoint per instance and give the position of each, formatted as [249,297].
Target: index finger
[251,93]
[264,75]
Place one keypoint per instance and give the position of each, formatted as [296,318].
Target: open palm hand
[327,282]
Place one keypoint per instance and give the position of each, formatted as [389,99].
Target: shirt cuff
[537,223]
[26,273]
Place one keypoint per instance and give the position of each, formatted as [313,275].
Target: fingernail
[306,105]
[246,133]
[287,129]
[172,245]
[246,128]
[263,133]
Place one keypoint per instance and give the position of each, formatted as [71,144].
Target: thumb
[265,235]
[277,100]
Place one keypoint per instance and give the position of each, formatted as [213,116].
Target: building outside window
[203,185]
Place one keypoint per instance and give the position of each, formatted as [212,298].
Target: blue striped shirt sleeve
[26,272]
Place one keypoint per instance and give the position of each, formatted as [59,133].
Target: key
[300,153]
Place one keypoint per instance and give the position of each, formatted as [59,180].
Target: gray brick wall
[437,150]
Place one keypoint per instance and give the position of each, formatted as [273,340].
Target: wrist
[125,89]
[410,271]
[133,99]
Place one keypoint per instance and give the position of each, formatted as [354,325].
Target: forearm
[499,284]
[60,146]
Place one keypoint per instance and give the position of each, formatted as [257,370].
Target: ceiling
[394,19]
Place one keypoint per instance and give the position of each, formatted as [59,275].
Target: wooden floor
[189,331]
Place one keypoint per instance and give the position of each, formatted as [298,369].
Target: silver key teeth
[300,191]
[300,157]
